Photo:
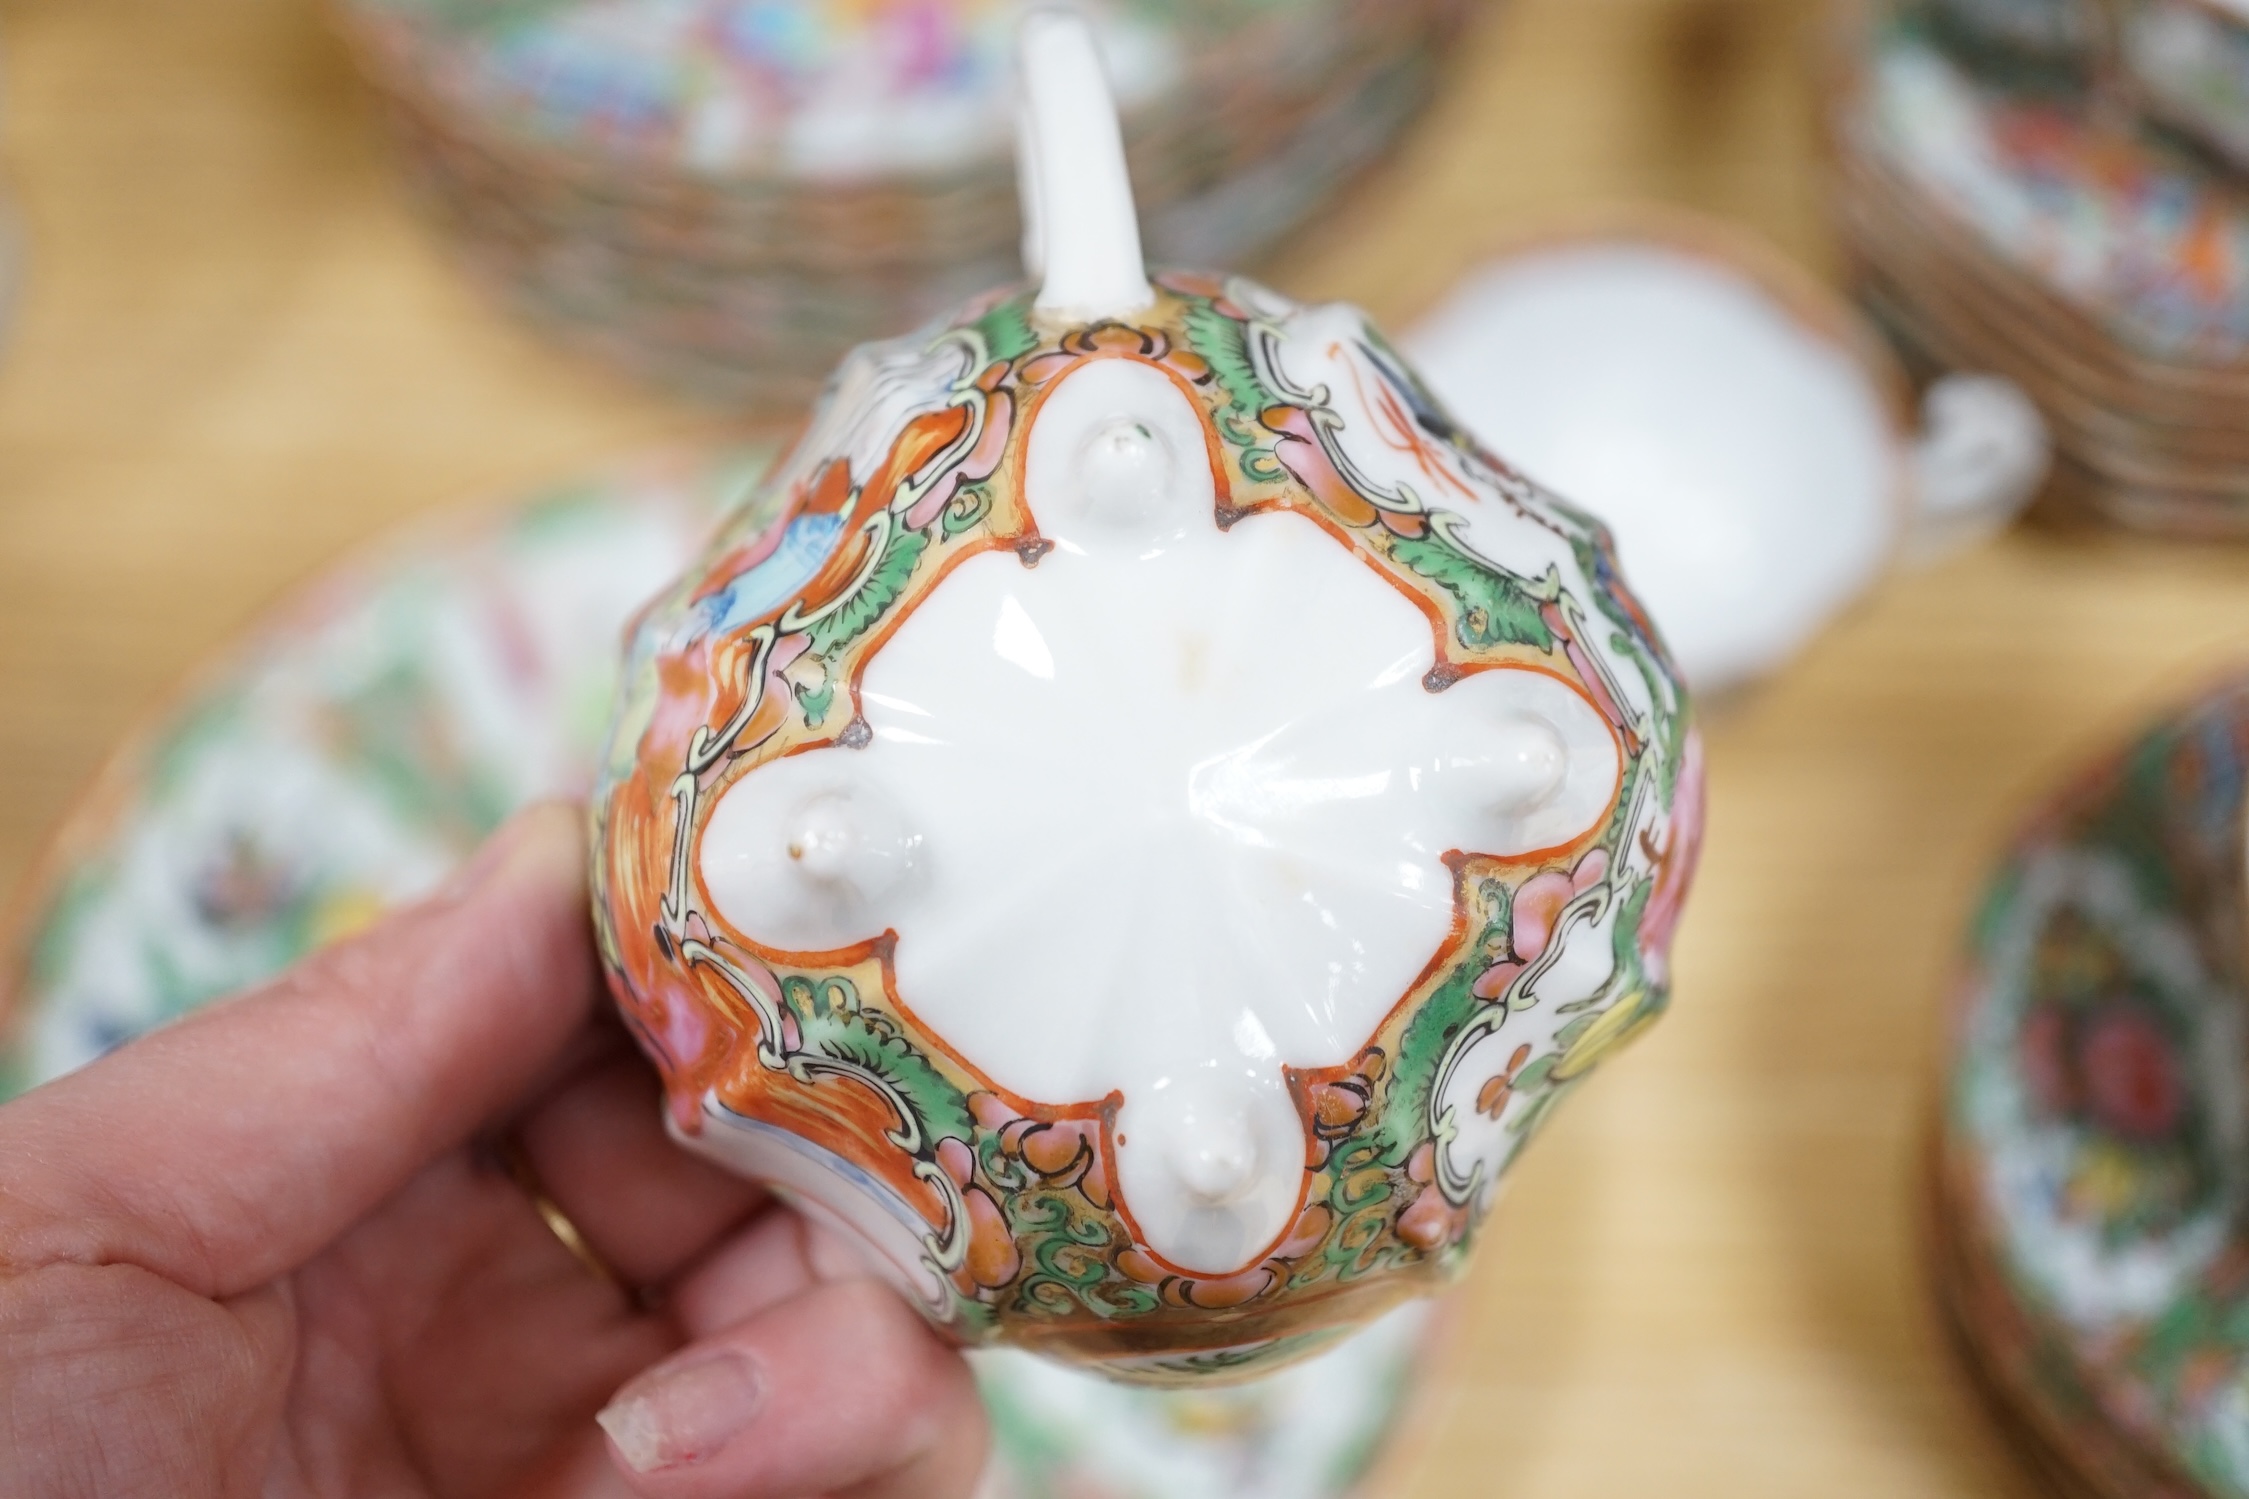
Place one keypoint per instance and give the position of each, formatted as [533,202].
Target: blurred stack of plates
[727,194]
[2092,1170]
[2034,187]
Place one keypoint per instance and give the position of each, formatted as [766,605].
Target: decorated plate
[2092,1176]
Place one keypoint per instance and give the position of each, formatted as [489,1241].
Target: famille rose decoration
[2054,191]
[347,757]
[727,195]
[1139,819]
[2093,1170]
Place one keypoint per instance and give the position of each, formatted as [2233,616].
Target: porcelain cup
[1743,433]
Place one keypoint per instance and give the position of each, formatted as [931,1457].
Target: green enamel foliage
[834,1024]
[873,599]
[1496,608]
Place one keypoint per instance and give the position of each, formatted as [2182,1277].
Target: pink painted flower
[1539,902]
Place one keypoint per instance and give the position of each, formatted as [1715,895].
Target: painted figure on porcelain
[1139,819]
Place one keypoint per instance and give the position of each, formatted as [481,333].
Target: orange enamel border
[881,949]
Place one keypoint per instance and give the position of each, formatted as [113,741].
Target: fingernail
[680,1414]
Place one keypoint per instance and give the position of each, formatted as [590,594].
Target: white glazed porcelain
[1263,794]
[1081,234]
[1139,819]
[1731,424]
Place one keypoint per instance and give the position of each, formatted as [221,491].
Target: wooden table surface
[239,353]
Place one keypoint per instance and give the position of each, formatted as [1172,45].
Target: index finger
[228,1148]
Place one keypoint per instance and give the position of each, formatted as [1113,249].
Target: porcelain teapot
[1137,820]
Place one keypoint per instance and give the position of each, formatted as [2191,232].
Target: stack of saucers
[2092,1182]
[727,194]
[2011,204]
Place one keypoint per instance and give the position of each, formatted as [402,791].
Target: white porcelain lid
[1747,461]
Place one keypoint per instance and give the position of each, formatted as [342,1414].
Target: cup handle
[1982,453]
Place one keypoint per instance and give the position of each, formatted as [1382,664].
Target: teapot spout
[1081,231]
